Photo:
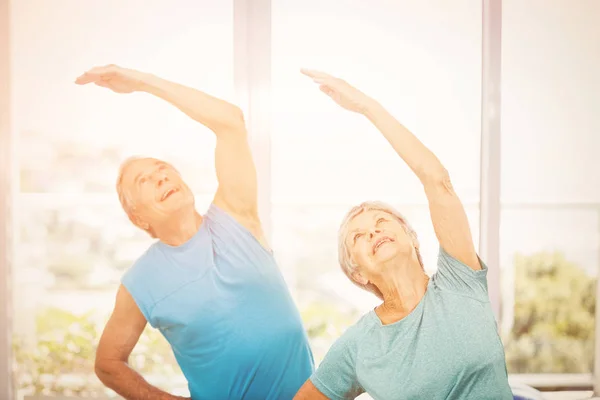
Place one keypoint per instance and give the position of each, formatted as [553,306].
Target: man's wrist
[147,83]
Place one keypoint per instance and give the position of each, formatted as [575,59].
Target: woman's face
[375,237]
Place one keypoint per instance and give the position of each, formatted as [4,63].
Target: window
[326,159]
[421,60]
[550,221]
[74,241]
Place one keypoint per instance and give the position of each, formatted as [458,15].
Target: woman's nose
[374,232]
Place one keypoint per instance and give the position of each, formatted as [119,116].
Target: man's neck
[179,230]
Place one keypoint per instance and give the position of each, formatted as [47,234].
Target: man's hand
[118,339]
[236,172]
[115,78]
[344,94]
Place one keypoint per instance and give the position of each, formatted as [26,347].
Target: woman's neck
[402,291]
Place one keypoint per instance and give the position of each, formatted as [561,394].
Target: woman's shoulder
[365,324]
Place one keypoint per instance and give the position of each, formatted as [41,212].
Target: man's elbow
[237,116]
[101,369]
[105,369]
[234,125]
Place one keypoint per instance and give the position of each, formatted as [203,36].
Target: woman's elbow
[309,391]
[436,177]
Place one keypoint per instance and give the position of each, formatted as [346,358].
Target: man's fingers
[97,73]
[102,83]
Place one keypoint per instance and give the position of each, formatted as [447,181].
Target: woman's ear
[359,278]
[413,237]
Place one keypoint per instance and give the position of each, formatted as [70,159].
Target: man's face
[156,191]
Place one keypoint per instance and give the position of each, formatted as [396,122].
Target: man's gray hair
[125,195]
[344,257]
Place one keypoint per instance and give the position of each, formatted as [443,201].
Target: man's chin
[176,207]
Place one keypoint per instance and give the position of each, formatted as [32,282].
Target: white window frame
[252,79]
[252,82]
[489,206]
[6,192]
[489,224]
[596,374]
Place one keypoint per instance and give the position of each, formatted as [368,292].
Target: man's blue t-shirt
[222,304]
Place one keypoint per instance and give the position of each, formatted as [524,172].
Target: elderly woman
[431,338]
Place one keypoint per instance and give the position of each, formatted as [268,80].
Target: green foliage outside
[553,332]
[62,361]
[553,328]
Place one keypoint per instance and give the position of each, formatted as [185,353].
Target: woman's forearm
[216,114]
[415,154]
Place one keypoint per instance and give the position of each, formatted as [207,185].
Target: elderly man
[209,283]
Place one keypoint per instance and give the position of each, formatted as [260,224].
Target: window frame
[6,196]
[490,168]
[252,84]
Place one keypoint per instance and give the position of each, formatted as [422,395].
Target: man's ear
[139,222]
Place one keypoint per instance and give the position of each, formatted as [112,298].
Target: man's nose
[161,178]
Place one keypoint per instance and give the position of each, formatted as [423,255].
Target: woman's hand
[344,94]
[115,78]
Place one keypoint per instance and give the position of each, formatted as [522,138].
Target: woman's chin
[389,252]
[386,253]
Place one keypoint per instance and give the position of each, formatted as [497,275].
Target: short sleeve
[336,375]
[457,277]
[136,283]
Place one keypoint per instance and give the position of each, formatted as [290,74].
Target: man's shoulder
[145,263]
[142,280]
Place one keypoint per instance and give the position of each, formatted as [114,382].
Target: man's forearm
[119,377]
[216,114]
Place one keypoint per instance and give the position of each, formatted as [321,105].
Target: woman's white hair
[125,195]
[344,256]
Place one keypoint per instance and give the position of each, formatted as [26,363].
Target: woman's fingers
[314,73]
[85,79]
[326,89]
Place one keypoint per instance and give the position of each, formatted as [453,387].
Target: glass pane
[63,128]
[70,256]
[549,260]
[428,76]
[550,186]
[305,242]
[422,61]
